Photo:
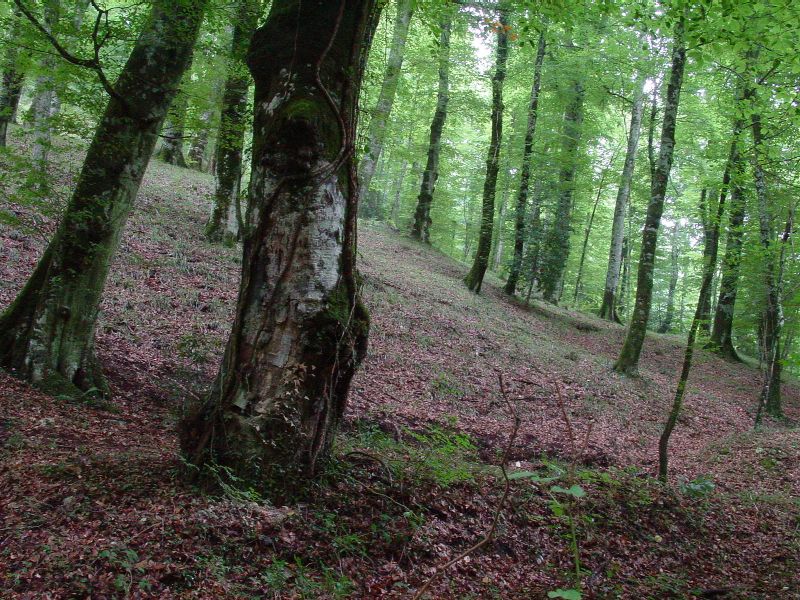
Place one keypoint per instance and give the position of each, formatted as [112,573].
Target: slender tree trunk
[525,172]
[709,266]
[223,223]
[47,334]
[705,217]
[722,332]
[376,133]
[421,229]
[628,361]
[197,151]
[497,250]
[587,231]
[300,329]
[12,78]
[770,398]
[474,278]
[45,100]
[533,245]
[556,243]
[666,324]
[171,150]
[608,310]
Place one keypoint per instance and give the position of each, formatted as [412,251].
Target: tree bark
[556,242]
[47,334]
[628,360]
[525,172]
[380,115]
[223,223]
[669,313]
[707,223]
[772,318]
[608,310]
[171,150]
[709,266]
[13,78]
[722,333]
[421,229]
[45,103]
[474,278]
[300,328]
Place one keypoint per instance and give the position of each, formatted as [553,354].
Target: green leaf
[575,491]
[566,594]
[532,475]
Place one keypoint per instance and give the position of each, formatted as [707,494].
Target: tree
[224,221]
[628,360]
[474,278]
[47,334]
[422,216]
[13,78]
[669,313]
[300,329]
[171,150]
[608,310]
[525,172]
[556,241]
[380,114]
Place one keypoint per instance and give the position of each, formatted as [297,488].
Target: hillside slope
[91,504]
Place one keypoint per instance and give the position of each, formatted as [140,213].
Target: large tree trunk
[223,223]
[608,310]
[300,329]
[171,150]
[709,266]
[669,313]
[12,78]
[421,228]
[722,333]
[525,172]
[47,334]
[772,317]
[380,114]
[474,278]
[628,360]
[556,244]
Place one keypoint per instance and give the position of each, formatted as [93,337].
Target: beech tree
[628,360]
[47,334]
[300,329]
[474,278]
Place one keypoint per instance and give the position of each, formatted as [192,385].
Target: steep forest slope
[92,505]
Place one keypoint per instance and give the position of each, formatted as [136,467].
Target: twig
[377,459]
[496,517]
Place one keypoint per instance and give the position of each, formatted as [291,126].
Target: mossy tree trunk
[171,150]
[421,227]
[721,340]
[45,99]
[772,314]
[556,243]
[383,108]
[474,278]
[674,254]
[47,334]
[628,361]
[707,224]
[525,172]
[13,78]
[223,224]
[608,310]
[709,266]
[300,329]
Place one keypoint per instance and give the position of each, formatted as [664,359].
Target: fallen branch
[487,537]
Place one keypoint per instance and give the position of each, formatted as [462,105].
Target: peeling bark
[300,328]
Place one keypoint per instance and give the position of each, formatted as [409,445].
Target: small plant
[126,560]
[698,488]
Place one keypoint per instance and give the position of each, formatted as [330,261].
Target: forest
[399,299]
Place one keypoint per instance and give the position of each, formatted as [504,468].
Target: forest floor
[92,504]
